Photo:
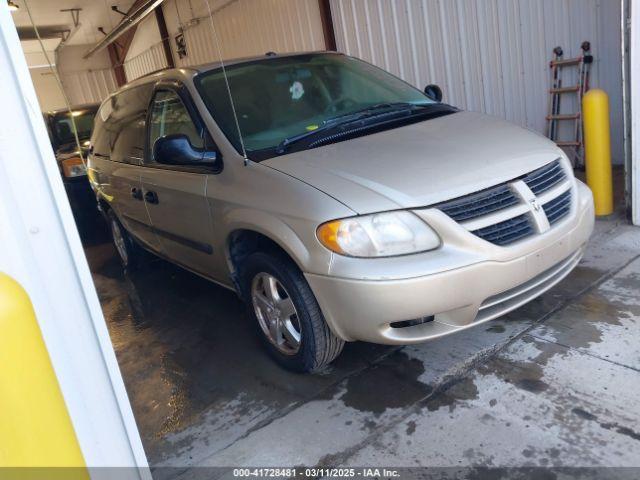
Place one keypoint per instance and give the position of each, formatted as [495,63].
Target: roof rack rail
[154,72]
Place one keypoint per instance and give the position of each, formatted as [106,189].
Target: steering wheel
[338,104]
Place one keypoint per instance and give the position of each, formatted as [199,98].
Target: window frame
[108,125]
[177,87]
[268,153]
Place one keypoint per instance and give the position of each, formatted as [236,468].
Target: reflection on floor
[550,384]
[186,348]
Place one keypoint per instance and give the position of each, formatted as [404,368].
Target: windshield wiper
[374,109]
[370,115]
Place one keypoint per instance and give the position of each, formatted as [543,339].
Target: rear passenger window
[126,124]
[100,138]
[169,116]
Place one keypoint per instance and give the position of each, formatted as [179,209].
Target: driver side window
[169,116]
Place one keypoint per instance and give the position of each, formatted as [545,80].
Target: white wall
[146,53]
[85,80]
[44,81]
[244,27]
[491,55]
[49,95]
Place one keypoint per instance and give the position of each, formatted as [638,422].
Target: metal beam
[164,35]
[132,19]
[327,25]
[116,64]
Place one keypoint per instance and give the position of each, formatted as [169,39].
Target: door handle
[136,193]
[151,197]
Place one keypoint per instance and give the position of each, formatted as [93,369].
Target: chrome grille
[507,232]
[545,178]
[478,204]
[558,208]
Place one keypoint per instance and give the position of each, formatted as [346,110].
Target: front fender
[294,235]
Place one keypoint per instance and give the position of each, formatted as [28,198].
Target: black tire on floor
[318,345]
[129,252]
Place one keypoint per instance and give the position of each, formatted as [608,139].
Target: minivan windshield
[63,128]
[280,98]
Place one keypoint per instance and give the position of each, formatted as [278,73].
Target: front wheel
[290,321]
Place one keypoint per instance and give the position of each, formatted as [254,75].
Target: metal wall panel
[634,67]
[90,86]
[146,53]
[150,60]
[489,56]
[245,28]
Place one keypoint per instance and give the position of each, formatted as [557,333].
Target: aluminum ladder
[558,89]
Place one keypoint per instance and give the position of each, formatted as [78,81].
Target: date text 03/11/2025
[315,472]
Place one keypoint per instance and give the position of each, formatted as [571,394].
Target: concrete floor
[555,383]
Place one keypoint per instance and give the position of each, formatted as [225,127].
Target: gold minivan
[338,201]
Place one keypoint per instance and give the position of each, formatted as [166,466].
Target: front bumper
[457,296]
[81,197]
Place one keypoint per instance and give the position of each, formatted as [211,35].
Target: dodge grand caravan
[339,202]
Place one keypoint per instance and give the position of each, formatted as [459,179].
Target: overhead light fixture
[12,6]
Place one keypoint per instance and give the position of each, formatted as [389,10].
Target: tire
[317,345]
[129,252]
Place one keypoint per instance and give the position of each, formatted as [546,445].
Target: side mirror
[176,149]
[434,92]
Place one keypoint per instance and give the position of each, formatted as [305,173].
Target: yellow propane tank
[597,148]
[35,427]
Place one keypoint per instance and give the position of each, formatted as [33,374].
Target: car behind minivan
[338,201]
[60,124]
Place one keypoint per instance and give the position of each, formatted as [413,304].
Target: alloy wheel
[276,313]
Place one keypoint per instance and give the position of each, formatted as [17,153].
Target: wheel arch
[251,233]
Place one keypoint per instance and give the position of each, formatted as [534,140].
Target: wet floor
[554,383]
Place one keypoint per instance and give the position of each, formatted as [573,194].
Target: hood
[67,150]
[420,164]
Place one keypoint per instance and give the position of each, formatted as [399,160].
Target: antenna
[226,81]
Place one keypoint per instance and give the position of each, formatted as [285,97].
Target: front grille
[506,232]
[545,178]
[558,208]
[478,204]
[496,214]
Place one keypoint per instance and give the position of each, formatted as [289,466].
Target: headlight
[73,167]
[379,235]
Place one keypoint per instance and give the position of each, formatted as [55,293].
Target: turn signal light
[328,236]
[73,167]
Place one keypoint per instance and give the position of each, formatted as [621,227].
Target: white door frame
[41,249]
[635,111]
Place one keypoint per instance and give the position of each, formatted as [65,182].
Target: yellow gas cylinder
[597,147]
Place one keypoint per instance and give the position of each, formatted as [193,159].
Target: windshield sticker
[311,128]
[297,90]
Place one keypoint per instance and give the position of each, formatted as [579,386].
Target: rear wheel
[129,252]
[290,321]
